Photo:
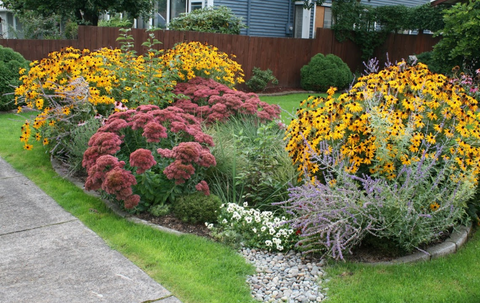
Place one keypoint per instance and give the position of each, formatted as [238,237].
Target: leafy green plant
[71,30]
[368,27]
[11,63]
[159,210]
[210,20]
[260,79]
[115,22]
[142,78]
[197,208]
[434,64]
[322,72]
[460,43]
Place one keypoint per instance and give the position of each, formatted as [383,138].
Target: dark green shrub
[260,79]
[325,71]
[209,20]
[71,30]
[197,208]
[434,65]
[10,63]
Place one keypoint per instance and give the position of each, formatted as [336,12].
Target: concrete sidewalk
[48,255]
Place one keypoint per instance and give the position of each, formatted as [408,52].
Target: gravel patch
[290,277]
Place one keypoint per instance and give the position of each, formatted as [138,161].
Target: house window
[301,21]
[196,5]
[177,7]
[327,18]
[160,16]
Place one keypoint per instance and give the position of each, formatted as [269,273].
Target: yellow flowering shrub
[396,158]
[388,120]
[68,85]
[194,59]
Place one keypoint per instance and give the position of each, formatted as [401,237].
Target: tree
[85,12]
[460,44]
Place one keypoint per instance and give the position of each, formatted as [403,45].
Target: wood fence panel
[284,56]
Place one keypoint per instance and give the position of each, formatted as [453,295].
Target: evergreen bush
[10,64]
[323,72]
[197,207]
[260,79]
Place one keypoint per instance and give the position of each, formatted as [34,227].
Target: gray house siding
[266,18]
[409,3]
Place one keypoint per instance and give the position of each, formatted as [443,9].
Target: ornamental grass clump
[164,150]
[215,102]
[409,141]
[194,59]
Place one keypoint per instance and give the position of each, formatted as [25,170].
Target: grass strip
[454,278]
[194,269]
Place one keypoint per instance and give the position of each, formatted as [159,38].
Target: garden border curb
[451,245]
[62,171]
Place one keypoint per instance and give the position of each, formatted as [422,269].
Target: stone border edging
[63,173]
[449,246]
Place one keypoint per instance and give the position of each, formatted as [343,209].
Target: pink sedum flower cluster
[106,172]
[185,155]
[212,101]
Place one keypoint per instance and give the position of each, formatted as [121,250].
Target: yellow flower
[28,146]
[434,206]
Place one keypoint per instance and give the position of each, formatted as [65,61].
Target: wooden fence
[284,56]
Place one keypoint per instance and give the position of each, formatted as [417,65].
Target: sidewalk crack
[38,227]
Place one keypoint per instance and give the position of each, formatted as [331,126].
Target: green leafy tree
[426,17]
[460,44]
[87,12]
[368,26]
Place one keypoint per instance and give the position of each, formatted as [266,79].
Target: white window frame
[305,21]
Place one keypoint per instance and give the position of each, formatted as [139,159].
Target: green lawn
[192,268]
[288,103]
